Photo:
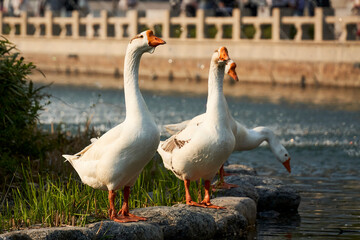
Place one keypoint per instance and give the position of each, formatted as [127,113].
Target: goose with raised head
[199,151]
[116,159]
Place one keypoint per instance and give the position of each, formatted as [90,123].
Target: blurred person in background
[356,11]
[283,3]
[125,5]
[225,8]
[208,5]
[63,7]
[16,7]
[70,5]
[312,4]
[299,8]
[175,7]
[189,7]
[55,6]
[41,8]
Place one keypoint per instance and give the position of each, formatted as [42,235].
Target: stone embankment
[254,196]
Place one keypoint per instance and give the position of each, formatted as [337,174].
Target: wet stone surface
[176,222]
[270,194]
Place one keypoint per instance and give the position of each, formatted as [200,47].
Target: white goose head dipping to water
[116,159]
[198,151]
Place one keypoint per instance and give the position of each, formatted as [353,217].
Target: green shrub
[20,103]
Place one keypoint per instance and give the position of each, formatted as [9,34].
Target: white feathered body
[198,151]
[209,148]
[116,159]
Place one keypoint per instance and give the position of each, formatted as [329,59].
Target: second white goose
[199,151]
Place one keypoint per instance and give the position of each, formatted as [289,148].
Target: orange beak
[223,54]
[287,165]
[154,41]
[232,72]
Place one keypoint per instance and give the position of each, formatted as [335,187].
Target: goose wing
[180,139]
[178,127]
[98,146]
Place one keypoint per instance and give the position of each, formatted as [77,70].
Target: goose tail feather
[70,158]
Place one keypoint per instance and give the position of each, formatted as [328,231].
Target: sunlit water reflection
[323,139]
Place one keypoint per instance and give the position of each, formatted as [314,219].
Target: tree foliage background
[20,105]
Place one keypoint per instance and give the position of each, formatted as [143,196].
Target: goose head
[283,156]
[146,41]
[230,69]
[221,56]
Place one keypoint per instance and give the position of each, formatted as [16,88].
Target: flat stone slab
[240,169]
[268,193]
[177,222]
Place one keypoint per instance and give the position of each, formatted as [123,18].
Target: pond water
[322,136]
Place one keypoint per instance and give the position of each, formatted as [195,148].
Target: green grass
[51,201]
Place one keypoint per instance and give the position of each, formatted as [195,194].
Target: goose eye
[138,36]
[286,155]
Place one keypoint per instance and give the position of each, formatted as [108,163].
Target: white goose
[245,139]
[199,151]
[116,159]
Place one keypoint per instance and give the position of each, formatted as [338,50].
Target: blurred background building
[212,7]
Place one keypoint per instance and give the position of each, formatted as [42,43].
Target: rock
[245,206]
[245,189]
[233,225]
[240,169]
[56,233]
[186,222]
[235,220]
[177,222]
[134,230]
[100,230]
[281,198]
[271,194]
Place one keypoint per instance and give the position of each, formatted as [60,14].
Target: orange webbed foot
[210,205]
[195,204]
[124,219]
[127,217]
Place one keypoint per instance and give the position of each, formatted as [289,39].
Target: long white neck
[216,106]
[260,134]
[134,102]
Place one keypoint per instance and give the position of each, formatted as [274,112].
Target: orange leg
[206,202]
[224,174]
[123,215]
[189,201]
[112,213]
[222,184]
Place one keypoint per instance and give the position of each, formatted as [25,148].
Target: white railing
[123,27]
